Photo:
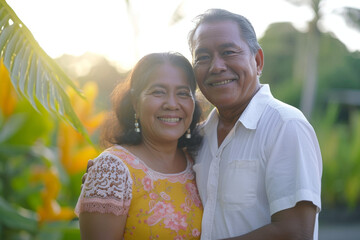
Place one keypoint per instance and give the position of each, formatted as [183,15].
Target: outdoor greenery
[48,132]
[42,160]
[336,121]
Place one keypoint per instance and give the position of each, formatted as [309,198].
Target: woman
[143,187]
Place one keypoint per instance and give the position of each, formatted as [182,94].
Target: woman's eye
[158,92]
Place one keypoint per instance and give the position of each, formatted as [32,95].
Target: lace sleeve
[108,187]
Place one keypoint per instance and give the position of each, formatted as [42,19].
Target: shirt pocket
[239,184]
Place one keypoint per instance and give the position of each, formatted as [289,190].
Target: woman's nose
[171,102]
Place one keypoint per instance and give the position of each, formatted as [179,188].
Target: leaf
[178,14]
[13,150]
[11,126]
[16,63]
[9,49]
[60,230]
[6,32]
[24,70]
[31,81]
[352,17]
[33,73]
[4,17]
[13,219]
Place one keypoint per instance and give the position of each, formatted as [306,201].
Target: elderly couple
[251,170]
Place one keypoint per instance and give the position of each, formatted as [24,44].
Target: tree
[351,16]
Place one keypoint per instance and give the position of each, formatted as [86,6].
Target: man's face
[225,69]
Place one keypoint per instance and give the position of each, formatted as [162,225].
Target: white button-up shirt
[268,162]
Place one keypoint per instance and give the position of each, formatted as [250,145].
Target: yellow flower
[8,97]
[51,210]
[75,151]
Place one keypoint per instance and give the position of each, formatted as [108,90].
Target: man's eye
[202,58]
[228,52]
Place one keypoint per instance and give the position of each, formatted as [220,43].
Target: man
[259,168]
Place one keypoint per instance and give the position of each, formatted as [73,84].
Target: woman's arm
[105,199]
[100,226]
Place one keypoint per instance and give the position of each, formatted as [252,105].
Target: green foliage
[27,142]
[59,231]
[338,134]
[28,137]
[13,218]
[33,73]
[284,68]
[339,144]
[351,16]
[280,44]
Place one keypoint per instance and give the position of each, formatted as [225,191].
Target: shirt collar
[252,113]
[211,121]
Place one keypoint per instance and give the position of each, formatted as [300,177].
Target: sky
[104,27]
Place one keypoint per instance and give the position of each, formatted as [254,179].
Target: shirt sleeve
[108,187]
[294,167]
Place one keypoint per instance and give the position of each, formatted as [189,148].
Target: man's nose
[217,65]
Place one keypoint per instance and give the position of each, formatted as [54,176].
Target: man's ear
[259,58]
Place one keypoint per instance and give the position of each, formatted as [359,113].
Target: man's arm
[293,223]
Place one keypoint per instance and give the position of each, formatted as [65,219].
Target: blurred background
[312,61]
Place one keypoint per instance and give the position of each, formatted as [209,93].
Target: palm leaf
[33,73]
[178,14]
[352,17]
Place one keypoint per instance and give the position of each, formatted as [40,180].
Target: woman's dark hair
[119,127]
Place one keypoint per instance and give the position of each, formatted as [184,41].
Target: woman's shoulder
[125,155]
[115,153]
[108,162]
[108,186]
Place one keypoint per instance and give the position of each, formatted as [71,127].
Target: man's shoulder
[283,111]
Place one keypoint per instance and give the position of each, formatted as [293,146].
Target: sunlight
[77,27]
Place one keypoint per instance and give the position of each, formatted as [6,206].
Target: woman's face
[165,107]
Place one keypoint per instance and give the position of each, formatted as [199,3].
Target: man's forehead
[215,24]
[222,34]
[216,29]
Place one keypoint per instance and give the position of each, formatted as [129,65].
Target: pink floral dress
[158,206]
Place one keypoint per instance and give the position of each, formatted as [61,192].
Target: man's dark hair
[215,15]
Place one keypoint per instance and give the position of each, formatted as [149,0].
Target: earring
[188,134]
[137,129]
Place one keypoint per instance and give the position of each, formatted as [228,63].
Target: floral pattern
[162,206]
[147,183]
